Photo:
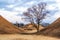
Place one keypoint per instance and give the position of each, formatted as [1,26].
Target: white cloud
[51,7]
[57,4]
[56,15]
[58,1]
[8,1]
[10,16]
[54,7]
[10,6]
[31,3]
[20,9]
[17,7]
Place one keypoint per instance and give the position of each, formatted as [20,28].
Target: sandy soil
[25,37]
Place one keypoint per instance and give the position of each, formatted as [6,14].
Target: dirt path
[25,37]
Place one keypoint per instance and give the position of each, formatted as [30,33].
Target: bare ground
[25,37]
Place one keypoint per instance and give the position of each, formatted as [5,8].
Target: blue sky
[11,9]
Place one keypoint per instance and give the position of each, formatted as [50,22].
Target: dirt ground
[25,37]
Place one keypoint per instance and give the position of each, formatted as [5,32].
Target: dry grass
[7,27]
[31,28]
[25,37]
[53,29]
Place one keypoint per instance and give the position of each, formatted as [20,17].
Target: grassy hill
[31,28]
[7,27]
[53,29]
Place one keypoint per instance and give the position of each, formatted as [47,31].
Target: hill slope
[31,28]
[7,27]
[53,29]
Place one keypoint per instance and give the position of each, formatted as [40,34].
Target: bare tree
[36,14]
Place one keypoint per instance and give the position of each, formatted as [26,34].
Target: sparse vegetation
[19,24]
[33,31]
[36,14]
[6,27]
[53,29]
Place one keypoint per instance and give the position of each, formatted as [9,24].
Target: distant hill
[30,28]
[53,29]
[45,24]
[7,27]
[18,24]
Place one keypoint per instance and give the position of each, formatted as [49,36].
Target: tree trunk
[38,27]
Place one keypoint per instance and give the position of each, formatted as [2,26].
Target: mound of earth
[31,28]
[7,27]
[53,29]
